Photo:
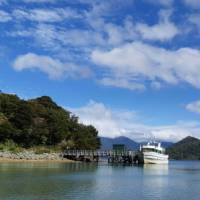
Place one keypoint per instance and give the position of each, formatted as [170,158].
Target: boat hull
[155,158]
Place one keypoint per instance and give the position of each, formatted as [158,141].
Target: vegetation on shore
[41,122]
[186,149]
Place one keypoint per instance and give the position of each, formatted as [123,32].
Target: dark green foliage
[41,121]
[186,149]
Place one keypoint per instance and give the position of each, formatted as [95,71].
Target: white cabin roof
[156,146]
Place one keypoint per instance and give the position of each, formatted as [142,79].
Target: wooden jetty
[112,156]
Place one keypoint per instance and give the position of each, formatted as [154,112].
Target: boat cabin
[153,147]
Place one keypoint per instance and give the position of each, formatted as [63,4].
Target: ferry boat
[153,153]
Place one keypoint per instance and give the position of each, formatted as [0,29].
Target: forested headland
[186,149]
[41,122]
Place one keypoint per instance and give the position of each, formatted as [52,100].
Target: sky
[128,67]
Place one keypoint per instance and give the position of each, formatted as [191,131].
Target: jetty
[112,156]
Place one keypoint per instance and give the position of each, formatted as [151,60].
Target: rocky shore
[31,156]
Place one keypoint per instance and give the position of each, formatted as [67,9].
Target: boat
[153,153]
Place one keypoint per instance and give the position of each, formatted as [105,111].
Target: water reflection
[39,180]
[156,180]
[84,181]
[156,169]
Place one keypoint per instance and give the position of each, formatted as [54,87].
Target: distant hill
[186,149]
[107,143]
[166,144]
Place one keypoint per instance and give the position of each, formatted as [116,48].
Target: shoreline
[31,156]
[10,160]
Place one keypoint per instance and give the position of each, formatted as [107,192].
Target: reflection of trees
[43,181]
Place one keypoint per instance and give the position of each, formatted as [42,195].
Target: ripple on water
[59,181]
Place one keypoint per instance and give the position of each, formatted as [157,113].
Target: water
[59,181]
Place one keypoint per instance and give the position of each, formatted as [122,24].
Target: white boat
[153,153]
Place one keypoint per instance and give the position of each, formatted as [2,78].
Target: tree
[41,121]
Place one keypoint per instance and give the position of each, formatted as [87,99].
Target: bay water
[180,180]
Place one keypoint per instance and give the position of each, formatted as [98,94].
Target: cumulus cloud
[164,30]
[193,3]
[194,107]
[52,38]
[39,1]
[101,117]
[128,63]
[195,19]
[162,2]
[176,132]
[113,123]
[45,15]
[139,63]
[117,35]
[54,68]
[4,16]
[122,83]
[3,1]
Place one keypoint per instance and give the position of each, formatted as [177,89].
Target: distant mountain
[166,144]
[186,149]
[107,143]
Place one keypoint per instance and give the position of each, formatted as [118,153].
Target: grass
[14,148]
[45,149]
[10,146]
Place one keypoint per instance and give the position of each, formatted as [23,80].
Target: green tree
[41,121]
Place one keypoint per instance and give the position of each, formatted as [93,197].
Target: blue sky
[129,67]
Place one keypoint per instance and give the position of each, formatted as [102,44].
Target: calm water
[31,181]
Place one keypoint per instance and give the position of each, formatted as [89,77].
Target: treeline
[41,121]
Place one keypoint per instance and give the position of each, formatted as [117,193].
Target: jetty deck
[112,156]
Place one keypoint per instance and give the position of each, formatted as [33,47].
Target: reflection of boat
[156,169]
[153,153]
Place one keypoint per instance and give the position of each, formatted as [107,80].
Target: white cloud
[114,33]
[3,1]
[101,117]
[45,15]
[53,38]
[156,85]
[164,30]
[193,3]
[128,64]
[101,8]
[194,107]
[121,83]
[4,16]
[113,123]
[54,68]
[162,2]
[176,132]
[139,63]
[195,19]
[39,1]
[117,35]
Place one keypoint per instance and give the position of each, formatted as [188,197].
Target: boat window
[151,150]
